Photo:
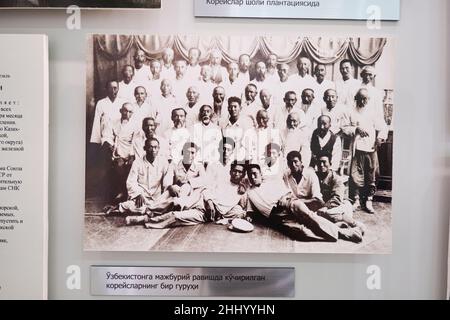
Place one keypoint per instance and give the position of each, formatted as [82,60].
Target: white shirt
[282,113]
[105,111]
[218,74]
[142,76]
[370,121]
[236,132]
[164,107]
[143,111]
[148,179]
[120,134]
[307,188]
[235,88]
[265,197]
[302,83]
[312,113]
[282,88]
[176,138]
[207,138]
[268,83]
[346,91]
[153,88]
[192,113]
[322,87]
[126,91]
[255,141]
[167,72]
[338,115]
[297,139]
[193,73]
[139,142]
[180,87]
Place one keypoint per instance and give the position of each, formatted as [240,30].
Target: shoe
[133,220]
[342,225]
[170,219]
[353,235]
[369,207]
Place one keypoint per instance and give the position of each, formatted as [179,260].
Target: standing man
[142,72]
[127,85]
[244,67]
[311,109]
[193,68]
[218,72]
[290,105]
[106,110]
[167,70]
[336,111]
[369,131]
[236,125]
[296,137]
[348,86]
[322,84]
[206,135]
[303,79]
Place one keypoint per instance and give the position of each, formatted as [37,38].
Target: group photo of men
[188,138]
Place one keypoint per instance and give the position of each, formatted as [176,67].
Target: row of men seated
[159,98]
[163,195]
[123,143]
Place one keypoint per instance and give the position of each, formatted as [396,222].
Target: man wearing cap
[368,74]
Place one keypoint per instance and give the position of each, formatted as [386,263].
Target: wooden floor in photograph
[111,234]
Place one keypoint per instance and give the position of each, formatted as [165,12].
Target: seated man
[148,178]
[187,181]
[324,140]
[336,208]
[274,201]
[303,182]
[224,202]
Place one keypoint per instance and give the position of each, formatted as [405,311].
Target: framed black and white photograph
[246,143]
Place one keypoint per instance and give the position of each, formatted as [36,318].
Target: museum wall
[418,265]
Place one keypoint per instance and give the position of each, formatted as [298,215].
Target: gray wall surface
[418,266]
